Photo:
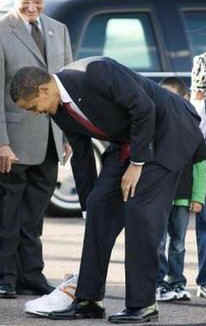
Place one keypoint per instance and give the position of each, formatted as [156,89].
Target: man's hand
[195,207]
[130,180]
[7,158]
[67,152]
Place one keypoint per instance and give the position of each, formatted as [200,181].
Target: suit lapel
[20,31]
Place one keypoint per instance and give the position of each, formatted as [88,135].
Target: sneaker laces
[72,278]
[69,286]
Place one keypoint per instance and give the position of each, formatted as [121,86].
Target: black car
[155,37]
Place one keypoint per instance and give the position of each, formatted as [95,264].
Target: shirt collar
[27,24]
[64,95]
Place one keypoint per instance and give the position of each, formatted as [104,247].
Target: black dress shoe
[79,310]
[7,291]
[34,288]
[142,315]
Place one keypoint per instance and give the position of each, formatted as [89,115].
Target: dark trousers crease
[143,218]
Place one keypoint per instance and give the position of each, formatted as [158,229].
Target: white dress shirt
[28,25]
[66,98]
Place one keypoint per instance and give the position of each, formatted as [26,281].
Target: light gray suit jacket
[25,132]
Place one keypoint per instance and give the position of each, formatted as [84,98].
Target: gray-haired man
[30,146]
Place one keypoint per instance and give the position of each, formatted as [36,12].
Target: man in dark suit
[153,134]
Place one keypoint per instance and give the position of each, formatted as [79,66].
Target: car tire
[65,201]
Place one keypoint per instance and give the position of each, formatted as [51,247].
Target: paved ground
[62,248]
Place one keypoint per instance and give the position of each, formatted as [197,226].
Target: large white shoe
[59,299]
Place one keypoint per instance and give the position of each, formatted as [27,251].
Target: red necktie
[84,122]
[125,147]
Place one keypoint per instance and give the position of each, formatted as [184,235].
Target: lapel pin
[50,33]
[79,99]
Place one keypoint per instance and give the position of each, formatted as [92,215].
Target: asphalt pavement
[62,243]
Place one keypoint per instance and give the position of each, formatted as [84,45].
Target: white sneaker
[182,294]
[201,291]
[59,299]
[164,293]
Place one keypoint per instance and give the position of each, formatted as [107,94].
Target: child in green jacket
[190,197]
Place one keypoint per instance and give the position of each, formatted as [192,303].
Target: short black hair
[25,83]
[177,83]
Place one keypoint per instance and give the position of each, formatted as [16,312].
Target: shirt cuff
[84,215]
[137,163]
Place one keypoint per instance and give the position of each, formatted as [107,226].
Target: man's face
[47,101]
[30,9]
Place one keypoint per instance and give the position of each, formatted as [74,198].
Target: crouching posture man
[153,134]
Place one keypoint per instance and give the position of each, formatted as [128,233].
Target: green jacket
[198,187]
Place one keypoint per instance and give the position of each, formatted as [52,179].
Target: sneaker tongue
[68,277]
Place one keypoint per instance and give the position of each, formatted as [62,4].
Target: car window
[128,38]
[195,22]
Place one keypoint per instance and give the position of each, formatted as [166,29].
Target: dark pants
[24,196]
[143,218]
[173,266]
[201,246]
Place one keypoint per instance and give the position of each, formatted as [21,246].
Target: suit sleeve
[4,139]
[118,85]
[67,47]
[83,166]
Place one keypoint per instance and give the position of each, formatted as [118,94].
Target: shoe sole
[145,320]
[37,314]
[167,300]
[78,316]
[184,298]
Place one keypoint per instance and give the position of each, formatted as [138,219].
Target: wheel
[65,200]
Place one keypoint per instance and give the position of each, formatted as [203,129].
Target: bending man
[153,134]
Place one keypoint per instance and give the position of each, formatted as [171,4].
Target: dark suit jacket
[159,125]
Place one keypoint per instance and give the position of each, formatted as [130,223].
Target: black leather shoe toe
[7,291]
[34,288]
[79,310]
[142,315]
